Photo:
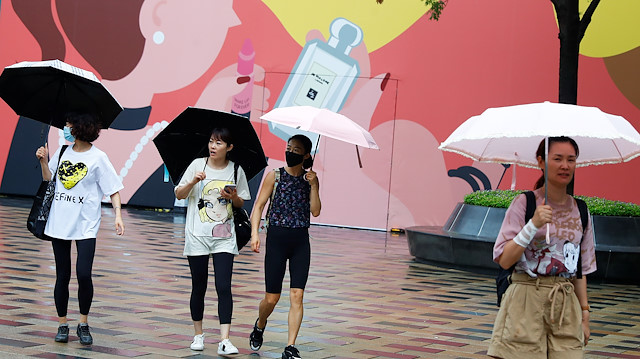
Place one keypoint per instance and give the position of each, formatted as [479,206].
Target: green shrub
[597,206]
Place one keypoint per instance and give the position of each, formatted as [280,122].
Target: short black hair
[84,126]
[222,134]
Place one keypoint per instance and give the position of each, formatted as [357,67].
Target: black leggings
[84,263]
[223,267]
[286,244]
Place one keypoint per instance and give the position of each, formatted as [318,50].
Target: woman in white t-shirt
[84,177]
[208,183]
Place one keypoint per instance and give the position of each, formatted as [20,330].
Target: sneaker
[225,348]
[255,339]
[83,334]
[63,333]
[290,352]
[198,342]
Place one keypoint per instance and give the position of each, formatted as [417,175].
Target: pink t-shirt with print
[560,256]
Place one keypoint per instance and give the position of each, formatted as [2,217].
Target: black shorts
[286,244]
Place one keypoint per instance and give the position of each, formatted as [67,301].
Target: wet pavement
[366,298]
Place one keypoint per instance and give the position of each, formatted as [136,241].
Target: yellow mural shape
[614,28]
[380,23]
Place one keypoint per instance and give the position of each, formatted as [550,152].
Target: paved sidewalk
[366,298]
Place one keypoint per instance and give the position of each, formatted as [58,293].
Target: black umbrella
[187,137]
[47,90]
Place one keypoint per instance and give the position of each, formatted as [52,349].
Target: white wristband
[526,234]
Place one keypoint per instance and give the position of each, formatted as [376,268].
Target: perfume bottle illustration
[241,103]
[323,75]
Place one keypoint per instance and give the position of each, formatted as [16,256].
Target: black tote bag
[37,220]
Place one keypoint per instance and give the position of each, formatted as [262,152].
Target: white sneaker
[225,347]
[198,342]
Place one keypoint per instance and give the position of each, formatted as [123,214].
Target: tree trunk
[571,31]
[569,26]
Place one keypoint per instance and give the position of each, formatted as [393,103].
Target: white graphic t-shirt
[83,179]
[209,224]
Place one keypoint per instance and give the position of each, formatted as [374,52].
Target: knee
[271,299]
[223,290]
[296,296]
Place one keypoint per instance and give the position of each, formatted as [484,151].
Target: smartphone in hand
[229,187]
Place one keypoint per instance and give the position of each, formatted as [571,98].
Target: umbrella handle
[547,237]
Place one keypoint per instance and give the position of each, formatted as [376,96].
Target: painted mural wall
[408,80]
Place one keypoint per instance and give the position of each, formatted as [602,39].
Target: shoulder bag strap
[64,147]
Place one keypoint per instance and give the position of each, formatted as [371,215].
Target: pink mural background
[411,94]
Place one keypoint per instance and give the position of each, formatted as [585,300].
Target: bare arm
[117,206]
[581,292]
[314,197]
[182,191]
[258,208]
[513,249]
[42,154]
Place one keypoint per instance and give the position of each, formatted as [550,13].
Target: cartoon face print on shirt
[571,253]
[214,208]
[70,174]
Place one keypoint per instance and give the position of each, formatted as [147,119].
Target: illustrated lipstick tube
[241,103]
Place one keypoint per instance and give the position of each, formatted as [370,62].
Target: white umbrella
[322,122]
[512,134]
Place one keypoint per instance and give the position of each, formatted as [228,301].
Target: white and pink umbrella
[322,122]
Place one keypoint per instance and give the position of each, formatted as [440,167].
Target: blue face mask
[67,134]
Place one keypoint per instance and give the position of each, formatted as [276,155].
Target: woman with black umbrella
[212,189]
[84,176]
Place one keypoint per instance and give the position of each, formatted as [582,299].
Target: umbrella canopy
[512,134]
[46,90]
[187,138]
[323,122]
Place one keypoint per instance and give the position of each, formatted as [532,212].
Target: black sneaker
[290,352]
[255,339]
[63,334]
[84,335]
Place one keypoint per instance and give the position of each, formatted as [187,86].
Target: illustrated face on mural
[183,38]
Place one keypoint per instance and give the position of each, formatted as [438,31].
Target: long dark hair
[540,152]
[306,143]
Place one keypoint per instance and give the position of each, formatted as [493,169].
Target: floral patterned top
[290,207]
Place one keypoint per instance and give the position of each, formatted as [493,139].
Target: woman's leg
[296,312]
[299,272]
[275,266]
[62,255]
[223,268]
[84,264]
[199,266]
[267,305]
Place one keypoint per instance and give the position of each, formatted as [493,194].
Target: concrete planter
[466,241]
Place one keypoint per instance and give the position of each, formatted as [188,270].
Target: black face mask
[293,159]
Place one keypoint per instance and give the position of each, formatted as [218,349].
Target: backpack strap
[528,214]
[276,173]
[531,206]
[584,218]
